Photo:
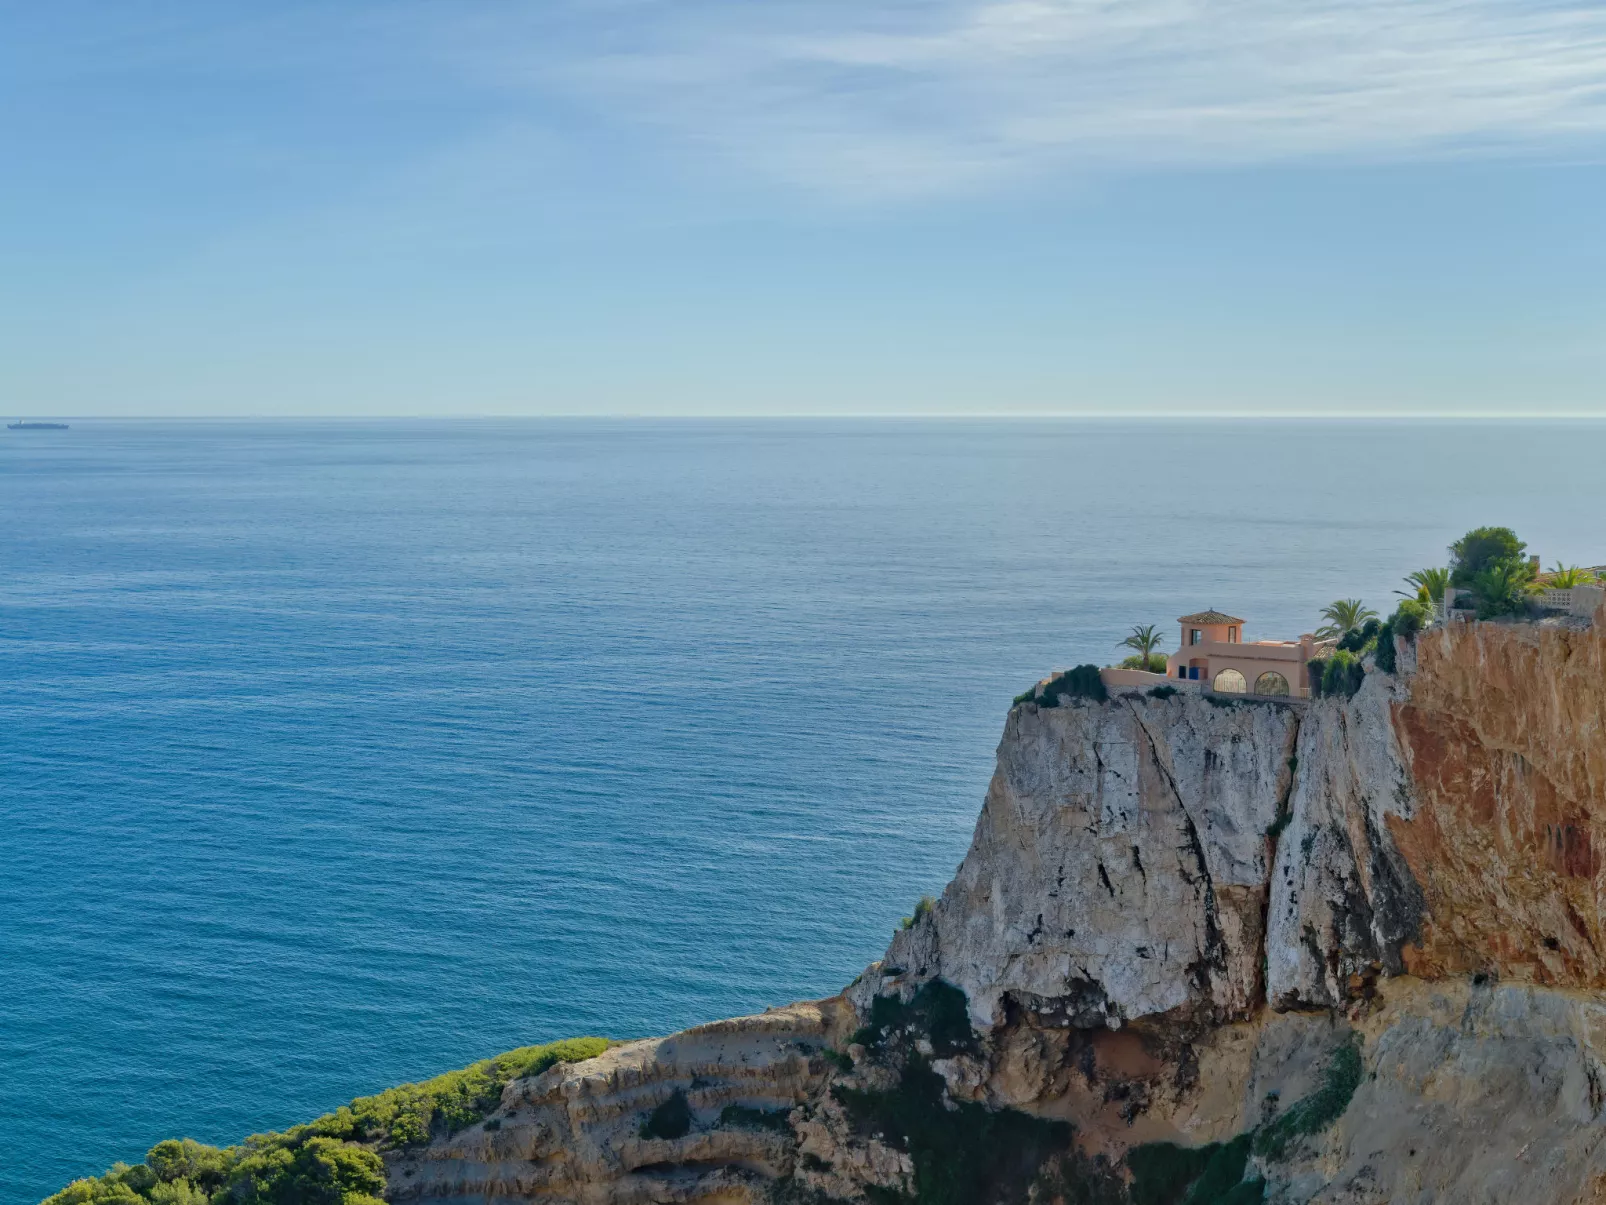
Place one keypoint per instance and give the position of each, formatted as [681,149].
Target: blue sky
[843,206]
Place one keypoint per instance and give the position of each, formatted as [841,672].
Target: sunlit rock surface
[1360,937]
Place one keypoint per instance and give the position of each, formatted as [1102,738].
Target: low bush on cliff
[268,1169]
[937,1012]
[1408,619]
[1341,675]
[410,1114]
[1154,663]
[1083,682]
[922,910]
[330,1161]
[1358,640]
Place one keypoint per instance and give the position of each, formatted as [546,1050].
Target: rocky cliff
[1349,950]
[1200,950]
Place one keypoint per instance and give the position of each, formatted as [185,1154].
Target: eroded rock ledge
[1355,944]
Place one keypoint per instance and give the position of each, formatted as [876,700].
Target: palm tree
[1343,617]
[1145,639]
[1501,588]
[1428,585]
[1565,577]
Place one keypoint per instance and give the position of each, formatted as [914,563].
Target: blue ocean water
[341,754]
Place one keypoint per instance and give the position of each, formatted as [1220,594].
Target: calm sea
[341,754]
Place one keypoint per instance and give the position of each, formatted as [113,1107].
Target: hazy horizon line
[888,416]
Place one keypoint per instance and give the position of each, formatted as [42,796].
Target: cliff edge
[1200,950]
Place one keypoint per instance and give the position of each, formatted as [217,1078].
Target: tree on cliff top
[1481,549]
[1343,616]
[1145,638]
[1427,585]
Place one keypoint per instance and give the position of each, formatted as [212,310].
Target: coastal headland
[1204,947]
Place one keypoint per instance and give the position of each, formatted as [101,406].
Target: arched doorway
[1271,683]
[1230,682]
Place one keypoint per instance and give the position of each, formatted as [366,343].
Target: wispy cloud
[884,97]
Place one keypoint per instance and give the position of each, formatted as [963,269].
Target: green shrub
[186,1159]
[177,1192]
[840,1059]
[922,910]
[671,1119]
[1501,588]
[1083,682]
[1480,548]
[1343,675]
[409,1114]
[1316,669]
[1406,622]
[319,1171]
[1154,663]
[937,1012]
[1361,638]
[1162,692]
[319,1163]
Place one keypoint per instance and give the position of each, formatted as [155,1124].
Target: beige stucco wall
[1250,660]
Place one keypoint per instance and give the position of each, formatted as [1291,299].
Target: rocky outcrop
[581,1132]
[1349,950]
[1120,865]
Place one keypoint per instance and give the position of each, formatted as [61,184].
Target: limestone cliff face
[1357,942]
[1120,865]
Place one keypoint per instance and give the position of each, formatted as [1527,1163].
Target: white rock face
[1119,867]
[1342,898]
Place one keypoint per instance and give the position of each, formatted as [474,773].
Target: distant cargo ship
[36,426]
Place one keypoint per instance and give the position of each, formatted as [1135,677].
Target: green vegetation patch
[330,1161]
[1408,619]
[1314,1113]
[937,1012]
[1154,663]
[671,1119]
[1342,675]
[1083,682]
[1481,548]
[1166,1174]
[411,1114]
[1358,640]
[922,910]
[740,1117]
[963,1153]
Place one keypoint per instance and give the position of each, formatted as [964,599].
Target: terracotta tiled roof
[1209,617]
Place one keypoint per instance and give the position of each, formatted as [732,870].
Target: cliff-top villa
[1215,656]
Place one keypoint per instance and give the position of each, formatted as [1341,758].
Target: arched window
[1230,682]
[1271,683]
